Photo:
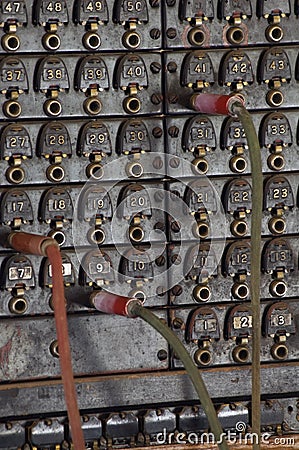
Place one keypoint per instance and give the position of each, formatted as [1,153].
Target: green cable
[256,231]
[136,309]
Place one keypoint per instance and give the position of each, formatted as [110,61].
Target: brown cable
[67,376]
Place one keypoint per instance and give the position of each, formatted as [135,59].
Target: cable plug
[216,104]
[33,244]
[113,304]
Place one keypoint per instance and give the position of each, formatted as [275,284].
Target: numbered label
[197,68]
[92,71]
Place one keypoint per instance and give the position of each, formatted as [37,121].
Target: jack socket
[239,228]
[95,171]
[12,109]
[277,225]
[92,106]
[238,164]
[274,98]
[131,40]
[10,42]
[51,42]
[201,293]
[200,165]
[203,357]
[18,305]
[240,291]
[235,35]
[91,41]
[196,36]
[240,354]
[96,236]
[278,288]
[279,351]
[132,105]
[274,33]
[15,175]
[52,107]
[55,173]
[136,233]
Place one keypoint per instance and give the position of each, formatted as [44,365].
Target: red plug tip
[112,303]
[215,104]
[33,244]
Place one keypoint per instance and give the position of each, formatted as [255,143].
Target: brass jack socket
[12,109]
[59,237]
[276,161]
[239,228]
[55,173]
[137,293]
[10,42]
[51,41]
[278,288]
[134,169]
[200,165]
[203,357]
[240,291]
[95,171]
[96,236]
[131,40]
[91,41]
[274,98]
[196,36]
[274,33]
[132,105]
[52,107]
[235,35]
[201,293]
[238,164]
[279,351]
[54,349]
[201,230]
[241,354]
[92,106]
[136,233]
[18,305]
[15,175]
[277,225]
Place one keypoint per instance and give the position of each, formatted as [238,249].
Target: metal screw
[155,33]
[175,226]
[158,163]
[171,33]
[172,67]
[157,132]
[155,3]
[171,2]
[173,98]
[155,67]
[176,259]
[162,355]
[173,131]
[156,99]
[177,290]
[160,261]
[174,163]
[160,291]
[159,226]
[178,323]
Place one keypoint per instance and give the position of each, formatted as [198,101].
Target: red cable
[45,246]
[67,376]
